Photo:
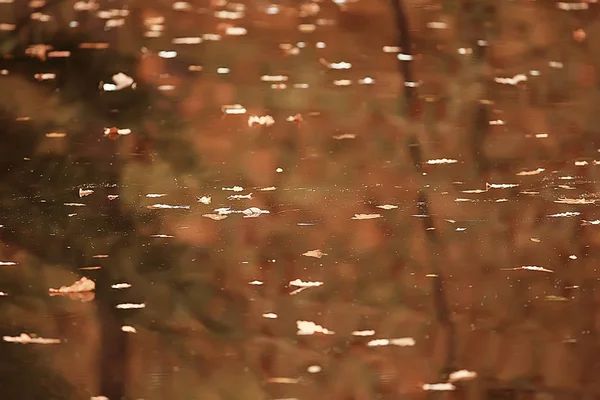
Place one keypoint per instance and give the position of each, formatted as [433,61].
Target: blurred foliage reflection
[349,199]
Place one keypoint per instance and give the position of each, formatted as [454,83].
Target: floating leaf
[563,200]
[130,306]
[555,298]
[529,268]
[364,333]
[24,338]
[240,196]
[366,216]
[204,199]
[215,217]
[442,161]
[167,206]
[314,253]
[128,328]
[462,375]
[253,212]
[121,286]
[387,207]
[82,285]
[310,328]
[345,136]
[439,387]
[402,342]
[299,283]
[564,214]
[500,185]
[534,172]
[85,192]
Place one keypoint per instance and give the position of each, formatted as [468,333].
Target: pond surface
[342,199]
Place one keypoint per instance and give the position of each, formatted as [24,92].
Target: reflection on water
[355,199]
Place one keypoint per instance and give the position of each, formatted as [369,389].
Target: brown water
[299,199]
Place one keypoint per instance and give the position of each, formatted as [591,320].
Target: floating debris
[270,315]
[74,204]
[7,263]
[268,189]
[100,256]
[112,196]
[366,216]
[314,253]
[128,329]
[160,235]
[24,338]
[82,285]
[256,283]
[155,195]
